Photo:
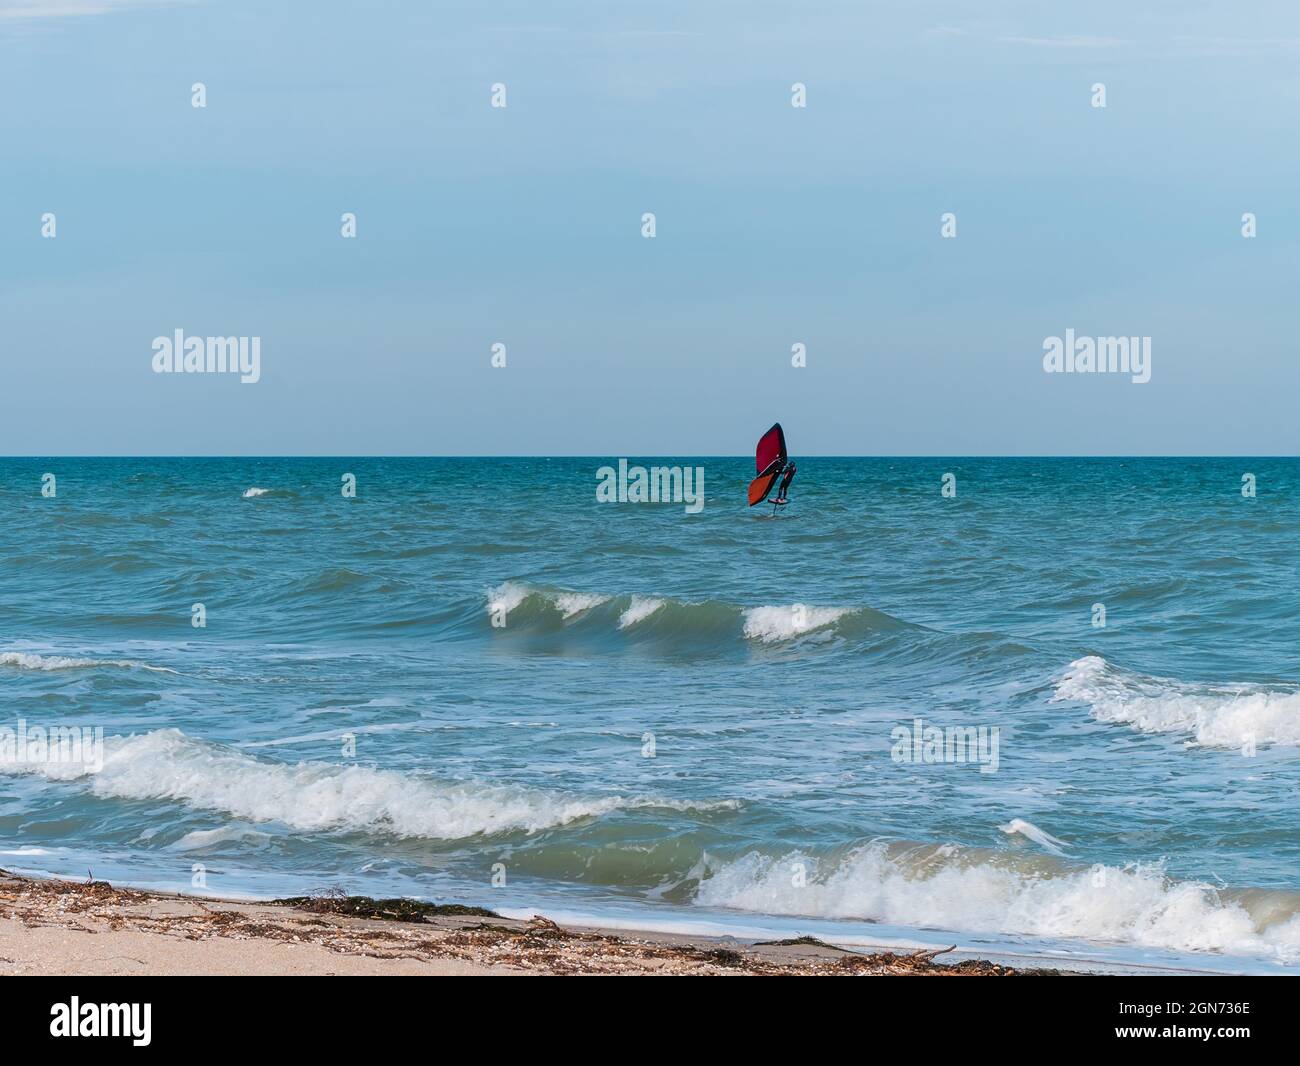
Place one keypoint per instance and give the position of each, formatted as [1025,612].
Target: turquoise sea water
[683,717]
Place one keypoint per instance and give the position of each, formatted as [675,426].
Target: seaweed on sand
[390,910]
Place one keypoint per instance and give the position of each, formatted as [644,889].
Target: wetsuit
[786,478]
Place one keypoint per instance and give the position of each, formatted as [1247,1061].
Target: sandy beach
[94,928]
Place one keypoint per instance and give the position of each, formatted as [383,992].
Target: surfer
[771,462]
[788,476]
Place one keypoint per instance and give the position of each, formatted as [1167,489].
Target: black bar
[444,1015]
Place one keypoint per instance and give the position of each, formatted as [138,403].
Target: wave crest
[516,604]
[641,608]
[770,624]
[1227,716]
[952,888]
[29,661]
[167,764]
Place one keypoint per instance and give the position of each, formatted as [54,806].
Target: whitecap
[1228,716]
[29,661]
[1135,904]
[572,603]
[771,624]
[641,608]
[314,796]
[506,597]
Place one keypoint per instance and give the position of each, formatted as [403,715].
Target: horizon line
[645,455]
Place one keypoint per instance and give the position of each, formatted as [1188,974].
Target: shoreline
[55,927]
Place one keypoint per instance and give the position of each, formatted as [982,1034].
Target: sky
[774,225]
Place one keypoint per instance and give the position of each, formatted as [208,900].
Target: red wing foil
[770,453]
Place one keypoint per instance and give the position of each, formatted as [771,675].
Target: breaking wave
[770,624]
[641,608]
[518,605]
[1227,716]
[962,889]
[28,661]
[571,603]
[167,764]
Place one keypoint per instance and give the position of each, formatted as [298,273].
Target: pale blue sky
[775,225]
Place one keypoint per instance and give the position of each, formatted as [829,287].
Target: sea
[1034,708]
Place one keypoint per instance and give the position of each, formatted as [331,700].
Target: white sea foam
[508,596]
[571,603]
[1134,905]
[1031,832]
[167,764]
[1230,716]
[28,661]
[254,491]
[641,608]
[770,624]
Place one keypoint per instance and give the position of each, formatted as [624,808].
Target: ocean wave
[22,660]
[168,765]
[507,597]
[518,604]
[254,492]
[770,624]
[510,596]
[1227,716]
[641,608]
[953,888]
[571,603]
